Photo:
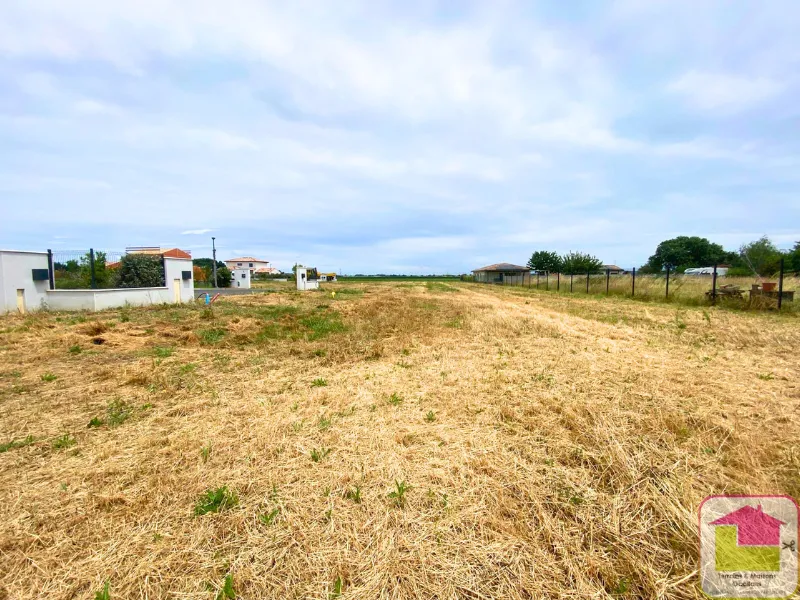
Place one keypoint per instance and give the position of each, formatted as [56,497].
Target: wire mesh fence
[706,289]
[89,269]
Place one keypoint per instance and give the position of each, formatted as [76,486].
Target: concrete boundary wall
[18,289]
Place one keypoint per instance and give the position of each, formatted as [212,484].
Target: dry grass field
[398,440]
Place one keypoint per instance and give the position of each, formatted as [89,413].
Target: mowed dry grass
[554,447]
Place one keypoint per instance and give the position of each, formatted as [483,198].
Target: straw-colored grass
[468,442]
[683,289]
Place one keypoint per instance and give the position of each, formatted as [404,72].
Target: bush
[140,270]
[224,277]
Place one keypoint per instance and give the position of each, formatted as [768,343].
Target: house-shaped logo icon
[748,539]
[748,546]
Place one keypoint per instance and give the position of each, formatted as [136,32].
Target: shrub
[224,277]
[140,270]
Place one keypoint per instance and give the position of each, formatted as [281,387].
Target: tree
[574,263]
[793,258]
[140,270]
[200,274]
[544,260]
[761,256]
[224,277]
[684,252]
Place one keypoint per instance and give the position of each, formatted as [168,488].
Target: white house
[255,265]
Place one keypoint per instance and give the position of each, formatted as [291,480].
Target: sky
[398,137]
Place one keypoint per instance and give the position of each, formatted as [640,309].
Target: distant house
[154,251]
[503,273]
[255,265]
[613,269]
[327,276]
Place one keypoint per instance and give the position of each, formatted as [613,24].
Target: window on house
[251,264]
[238,264]
[244,276]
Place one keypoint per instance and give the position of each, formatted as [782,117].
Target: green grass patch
[65,441]
[323,324]
[212,336]
[216,500]
[17,444]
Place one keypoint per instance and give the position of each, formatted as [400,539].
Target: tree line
[760,257]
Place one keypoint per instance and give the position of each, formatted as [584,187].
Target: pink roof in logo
[754,527]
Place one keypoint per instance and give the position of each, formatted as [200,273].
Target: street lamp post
[214,259]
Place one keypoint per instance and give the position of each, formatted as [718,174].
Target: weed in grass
[65,441]
[405,352]
[318,455]
[105,593]
[213,336]
[216,500]
[319,382]
[226,592]
[455,322]
[207,314]
[354,494]
[320,352]
[118,412]
[622,587]
[205,453]
[430,417]
[766,376]
[297,426]
[404,365]
[269,518]
[398,495]
[395,399]
[16,444]
[294,407]
[187,368]
[328,515]
[76,349]
[323,324]
[64,487]
[49,377]
[324,423]
[163,351]
[95,422]
[338,586]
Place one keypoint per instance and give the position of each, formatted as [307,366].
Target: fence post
[587,281]
[537,280]
[570,283]
[547,281]
[51,276]
[714,286]
[667,294]
[91,267]
[633,282]
[780,286]
[558,281]
[608,277]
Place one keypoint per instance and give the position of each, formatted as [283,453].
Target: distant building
[153,251]
[327,276]
[613,269]
[255,265]
[503,273]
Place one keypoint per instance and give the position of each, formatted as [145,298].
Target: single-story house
[503,273]
[154,251]
[613,269]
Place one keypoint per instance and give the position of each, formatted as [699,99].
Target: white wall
[303,282]
[240,278]
[15,274]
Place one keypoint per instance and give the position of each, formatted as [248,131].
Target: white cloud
[724,92]
[196,231]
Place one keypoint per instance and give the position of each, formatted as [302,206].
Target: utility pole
[214,259]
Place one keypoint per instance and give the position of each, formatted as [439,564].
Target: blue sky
[398,136]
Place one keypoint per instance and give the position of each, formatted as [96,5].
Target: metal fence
[87,269]
[710,289]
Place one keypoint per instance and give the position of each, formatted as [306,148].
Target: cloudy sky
[405,136]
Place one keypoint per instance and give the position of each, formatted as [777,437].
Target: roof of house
[166,252]
[246,259]
[755,527]
[502,267]
[266,270]
[612,268]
